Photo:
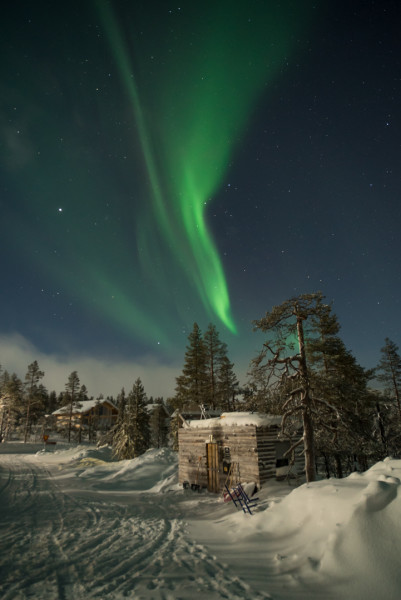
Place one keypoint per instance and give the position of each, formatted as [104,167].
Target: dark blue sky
[309,198]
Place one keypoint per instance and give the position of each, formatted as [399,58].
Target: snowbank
[154,471]
[341,537]
[65,453]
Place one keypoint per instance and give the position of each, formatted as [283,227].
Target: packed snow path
[59,540]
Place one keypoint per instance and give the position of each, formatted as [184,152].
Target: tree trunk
[363,462]
[339,467]
[397,395]
[326,464]
[70,421]
[7,426]
[382,430]
[310,469]
[2,426]
[309,443]
[28,409]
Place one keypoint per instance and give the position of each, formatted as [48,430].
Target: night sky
[163,164]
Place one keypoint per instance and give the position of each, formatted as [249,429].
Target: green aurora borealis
[208,78]
[122,133]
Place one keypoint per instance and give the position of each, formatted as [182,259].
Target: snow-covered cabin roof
[154,406]
[83,407]
[232,419]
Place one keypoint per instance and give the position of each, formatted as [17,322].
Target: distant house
[159,423]
[88,414]
[235,447]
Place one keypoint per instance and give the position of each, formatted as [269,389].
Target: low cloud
[100,375]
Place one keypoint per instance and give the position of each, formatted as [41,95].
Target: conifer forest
[337,410]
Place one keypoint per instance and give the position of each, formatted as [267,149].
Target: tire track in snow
[194,573]
[62,544]
[5,475]
[33,529]
[159,562]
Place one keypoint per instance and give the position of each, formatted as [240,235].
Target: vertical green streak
[213,65]
[209,276]
[206,269]
[127,75]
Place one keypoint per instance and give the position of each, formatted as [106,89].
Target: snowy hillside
[74,524]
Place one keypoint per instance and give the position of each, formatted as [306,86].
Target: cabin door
[213,471]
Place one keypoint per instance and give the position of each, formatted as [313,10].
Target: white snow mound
[154,471]
[343,533]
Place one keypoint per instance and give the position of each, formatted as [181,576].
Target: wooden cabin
[244,446]
[98,414]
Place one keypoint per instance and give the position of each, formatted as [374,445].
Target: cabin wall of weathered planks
[266,444]
[252,447]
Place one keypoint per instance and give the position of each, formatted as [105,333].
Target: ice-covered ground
[74,524]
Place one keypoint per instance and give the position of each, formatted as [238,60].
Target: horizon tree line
[303,372]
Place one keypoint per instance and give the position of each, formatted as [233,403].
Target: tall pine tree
[72,397]
[132,434]
[321,382]
[389,369]
[216,351]
[341,382]
[11,395]
[227,385]
[285,325]
[33,395]
[192,385]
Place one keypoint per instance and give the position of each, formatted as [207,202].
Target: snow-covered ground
[74,524]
